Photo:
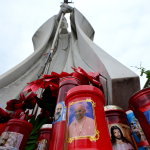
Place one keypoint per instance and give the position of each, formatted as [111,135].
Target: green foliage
[147,72]
[143,71]
[32,121]
[34,134]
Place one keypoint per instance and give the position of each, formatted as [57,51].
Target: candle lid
[128,111]
[46,126]
[114,107]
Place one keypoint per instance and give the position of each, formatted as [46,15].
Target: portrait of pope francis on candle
[81,120]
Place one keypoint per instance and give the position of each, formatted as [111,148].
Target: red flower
[45,81]
[4,116]
[11,104]
[26,102]
[23,102]
[20,114]
[86,77]
[53,79]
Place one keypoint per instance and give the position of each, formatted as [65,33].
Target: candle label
[11,139]
[120,135]
[82,120]
[41,145]
[137,131]
[60,112]
[147,115]
[8,148]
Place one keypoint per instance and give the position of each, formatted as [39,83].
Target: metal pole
[53,45]
[36,109]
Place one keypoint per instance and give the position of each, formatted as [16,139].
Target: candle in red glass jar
[86,128]
[44,135]
[137,131]
[58,129]
[139,103]
[16,134]
[119,129]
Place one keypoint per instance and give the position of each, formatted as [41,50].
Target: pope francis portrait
[82,125]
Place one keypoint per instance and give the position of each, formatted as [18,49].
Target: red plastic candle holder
[16,133]
[119,130]
[58,129]
[65,85]
[44,135]
[86,128]
[139,103]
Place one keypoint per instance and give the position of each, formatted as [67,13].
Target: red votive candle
[44,134]
[137,131]
[16,134]
[86,128]
[58,129]
[139,103]
[119,129]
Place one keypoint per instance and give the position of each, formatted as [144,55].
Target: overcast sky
[122,28]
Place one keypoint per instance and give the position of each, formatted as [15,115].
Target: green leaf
[40,124]
[33,137]
[35,124]
[142,71]
[32,121]
[30,147]
[31,141]
[148,76]
[34,134]
[147,72]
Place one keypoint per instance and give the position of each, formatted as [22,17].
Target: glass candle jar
[86,128]
[119,129]
[139,103]
[58,129]
[16,134]
[44,135]
[137,131]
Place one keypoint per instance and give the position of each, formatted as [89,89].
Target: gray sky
[121,28]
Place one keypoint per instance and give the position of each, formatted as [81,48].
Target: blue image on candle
[135,126]
[147,115]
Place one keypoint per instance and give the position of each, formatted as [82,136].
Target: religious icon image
[58,111]
[81,120]
[3,139]
[41,145]
[120,138]
[136,128]
[11,139]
